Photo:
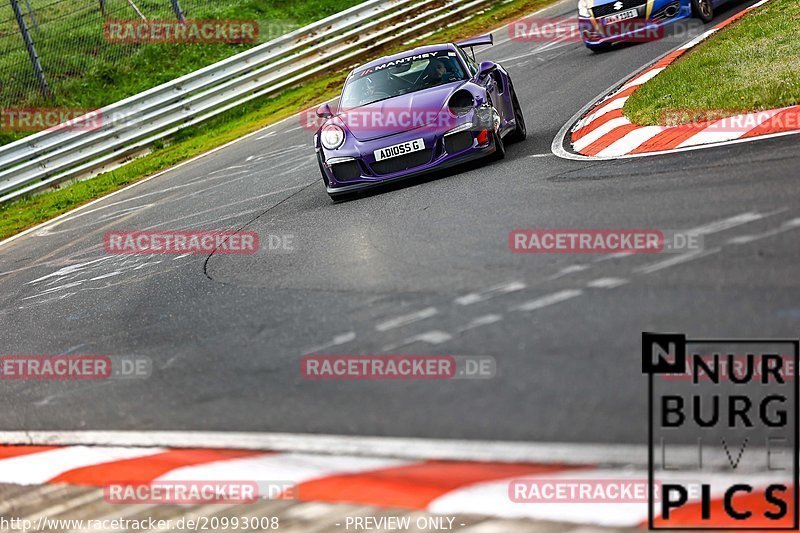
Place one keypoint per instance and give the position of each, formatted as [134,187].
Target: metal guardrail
[113,133]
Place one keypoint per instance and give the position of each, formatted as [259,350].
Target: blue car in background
[604,22]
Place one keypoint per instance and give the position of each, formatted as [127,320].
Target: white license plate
[397,150]
[616,17]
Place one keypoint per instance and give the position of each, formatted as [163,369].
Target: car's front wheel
[703,9]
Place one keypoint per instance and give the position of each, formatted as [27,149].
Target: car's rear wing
[483,40]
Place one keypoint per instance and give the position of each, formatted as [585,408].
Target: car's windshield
[402,76]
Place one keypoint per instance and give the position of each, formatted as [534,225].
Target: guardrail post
[176,7]
[26,36]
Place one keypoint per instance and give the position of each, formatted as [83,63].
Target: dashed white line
[568,270]
[109,275]
[337,341]
[786,226]
[406,319]
[270,134]
[430,337]
[676,260]
[726,223]
[484,295]
[484,320]
[606,283]
[550,299]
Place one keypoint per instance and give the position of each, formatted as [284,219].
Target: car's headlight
[331,137]
[583,9]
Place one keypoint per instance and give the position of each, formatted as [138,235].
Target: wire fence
[48,46]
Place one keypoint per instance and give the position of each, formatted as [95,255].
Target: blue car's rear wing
[483,40]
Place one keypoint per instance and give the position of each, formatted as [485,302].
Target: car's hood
[401,113]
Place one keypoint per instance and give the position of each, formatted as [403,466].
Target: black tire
[500,147]
[703,10]
[521,131]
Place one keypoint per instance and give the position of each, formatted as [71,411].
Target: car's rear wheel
[520,132]
[703,9]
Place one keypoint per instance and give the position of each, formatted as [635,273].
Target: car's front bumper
[355,168]
[642,29]
[470,155]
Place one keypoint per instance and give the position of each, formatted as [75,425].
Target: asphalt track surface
[227,333]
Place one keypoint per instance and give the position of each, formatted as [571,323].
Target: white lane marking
[726,223]
[786,226]
[606,283]
[550,299]
[337,340]
[55,289]
[596,134]
[484,295]
[109,275]
[430,337]
[676,260]
[294,468]
[294,129]
[568,270]
[270,134]
[41,467]
[484,320]
[631,141]
[729,128]
[540,155]
[69,270]
[181,256]
[407,319]
[404,448]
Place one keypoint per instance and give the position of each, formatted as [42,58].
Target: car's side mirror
[486,68]
[324,111]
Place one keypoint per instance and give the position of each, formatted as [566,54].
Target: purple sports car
[407,114]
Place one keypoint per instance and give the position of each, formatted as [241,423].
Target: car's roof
[407,53]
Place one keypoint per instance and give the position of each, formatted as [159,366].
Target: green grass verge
[27,212]
[751,65]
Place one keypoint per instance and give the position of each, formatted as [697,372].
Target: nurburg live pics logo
[723,445]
